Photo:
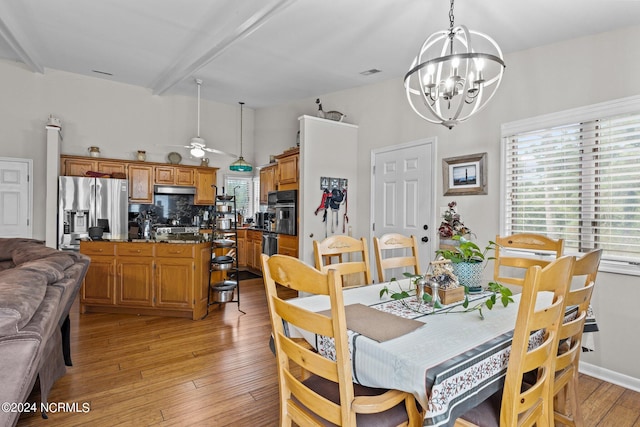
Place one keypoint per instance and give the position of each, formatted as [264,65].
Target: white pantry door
[15,211]
[403,194]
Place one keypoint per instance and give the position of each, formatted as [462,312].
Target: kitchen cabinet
[287,172]
[267,182]
[288,245]
[140,183]
[113,168]
[205,179]
[79,166]
[99,283]
[175,268]
[143,176]
[168,279]
[171,175]
[242,247]
[134,274]
[254,249]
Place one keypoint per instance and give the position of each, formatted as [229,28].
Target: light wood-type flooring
[156,371]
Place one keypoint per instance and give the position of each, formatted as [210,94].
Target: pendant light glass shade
[241,165]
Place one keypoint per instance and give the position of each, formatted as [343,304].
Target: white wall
[537,81]
[118,118]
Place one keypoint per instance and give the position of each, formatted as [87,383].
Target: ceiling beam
[19,48]
[183,68]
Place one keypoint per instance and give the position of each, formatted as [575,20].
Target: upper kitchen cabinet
[79,166]
[205,179]
[140,183]
[288,170]
[267,181]
[171,175]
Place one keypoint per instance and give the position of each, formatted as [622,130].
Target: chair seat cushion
[487,413]
[329,390]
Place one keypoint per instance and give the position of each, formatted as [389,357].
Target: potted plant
[468,262]
[451,226]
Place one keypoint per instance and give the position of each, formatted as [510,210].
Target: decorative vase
[141,156]
[94,151]
[469,274]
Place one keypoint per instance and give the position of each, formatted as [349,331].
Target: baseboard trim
[610,376]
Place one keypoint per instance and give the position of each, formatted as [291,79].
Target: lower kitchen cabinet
[167,279]
[288,245]
[99,283]
[242,248]
[254,249]
[134,281]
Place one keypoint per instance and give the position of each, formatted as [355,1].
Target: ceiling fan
[197,145]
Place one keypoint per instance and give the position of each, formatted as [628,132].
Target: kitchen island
[146,277]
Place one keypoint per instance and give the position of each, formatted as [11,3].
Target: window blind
[242,187]
[578,181]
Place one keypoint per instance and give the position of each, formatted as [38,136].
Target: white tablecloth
[450,364]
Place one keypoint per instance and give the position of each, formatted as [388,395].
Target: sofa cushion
[7,263]
[30,251]
[8,245]
[50,268]
[21,293]
[45,319]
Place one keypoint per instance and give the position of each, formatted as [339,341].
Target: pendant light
[241,165]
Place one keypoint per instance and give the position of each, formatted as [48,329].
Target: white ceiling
[267,52]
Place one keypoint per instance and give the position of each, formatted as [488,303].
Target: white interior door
[403,194]
[15,196]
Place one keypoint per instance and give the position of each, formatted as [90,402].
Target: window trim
[581,114]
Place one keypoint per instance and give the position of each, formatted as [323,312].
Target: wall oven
[285,212]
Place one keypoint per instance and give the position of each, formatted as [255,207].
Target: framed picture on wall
[465,175]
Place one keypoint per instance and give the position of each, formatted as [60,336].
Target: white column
[54,137]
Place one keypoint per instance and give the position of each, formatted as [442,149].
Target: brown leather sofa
[37,288]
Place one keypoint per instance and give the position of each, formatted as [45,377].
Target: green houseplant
[468,262]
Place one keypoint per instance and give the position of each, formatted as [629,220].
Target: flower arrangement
[452,225]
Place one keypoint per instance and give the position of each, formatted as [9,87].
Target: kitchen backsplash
[168,207]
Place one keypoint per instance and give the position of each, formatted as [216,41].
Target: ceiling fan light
[240,165]
[197,152]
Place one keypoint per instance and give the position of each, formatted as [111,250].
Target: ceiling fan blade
[213,150]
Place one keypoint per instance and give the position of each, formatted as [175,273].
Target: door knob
[425,239]
[425,227]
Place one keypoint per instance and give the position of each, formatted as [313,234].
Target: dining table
[450,358]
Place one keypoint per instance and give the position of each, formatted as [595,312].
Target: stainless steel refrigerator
[91,202]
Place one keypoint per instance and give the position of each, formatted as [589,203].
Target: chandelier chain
[451,19]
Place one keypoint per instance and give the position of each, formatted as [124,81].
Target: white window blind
[579,181]
[243,187]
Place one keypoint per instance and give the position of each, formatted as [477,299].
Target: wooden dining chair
[519,404]
[527,249]
[401,251]
[328,395]
[566,407]
[348,255]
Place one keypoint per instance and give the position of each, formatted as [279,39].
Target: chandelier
[450,80]
[241,165]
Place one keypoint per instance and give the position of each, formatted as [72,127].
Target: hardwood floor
[156,371]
